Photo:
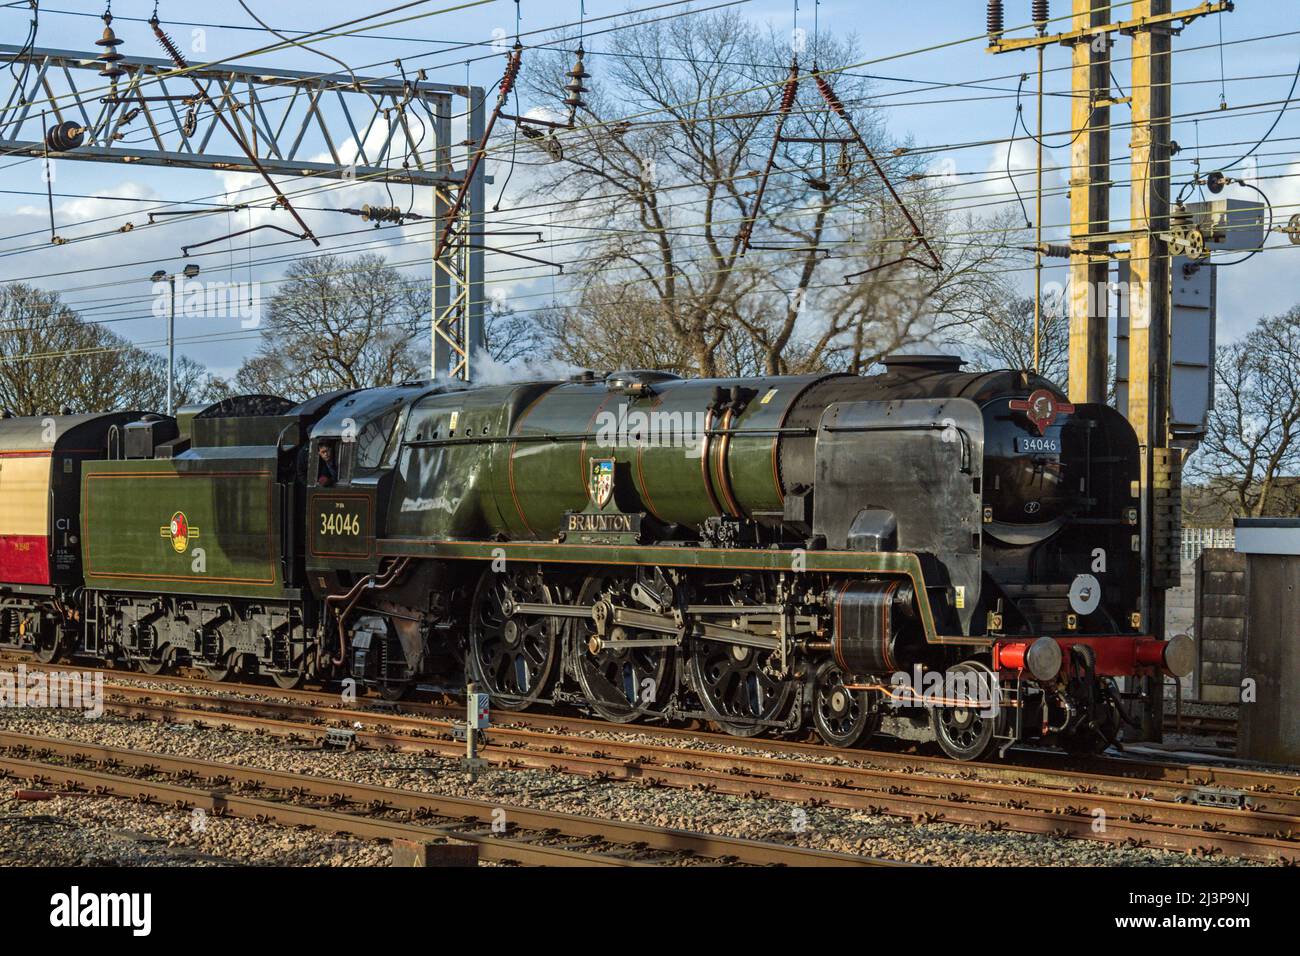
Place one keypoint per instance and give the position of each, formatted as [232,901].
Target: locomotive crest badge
[601,483]
[179,531]
[1041,408]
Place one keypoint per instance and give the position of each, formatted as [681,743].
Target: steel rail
[1037,766]
[1135,819]
[533,824]
[222,803]
[1271,801]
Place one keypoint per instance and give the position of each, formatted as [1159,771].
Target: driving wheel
[621,682]
[511,655]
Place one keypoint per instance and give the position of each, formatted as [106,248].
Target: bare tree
[50,358]
[613,328]
[1252,440]
[891,308]
[669,194]
[194,383]
[1006,338]
[511,336]
[338,323]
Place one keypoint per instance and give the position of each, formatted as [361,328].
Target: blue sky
[107,277]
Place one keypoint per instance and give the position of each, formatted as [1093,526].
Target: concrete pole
[1148,394]
[1089,205]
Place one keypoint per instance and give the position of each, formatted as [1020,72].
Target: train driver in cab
[327,472]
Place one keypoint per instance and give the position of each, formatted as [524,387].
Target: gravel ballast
[87,830]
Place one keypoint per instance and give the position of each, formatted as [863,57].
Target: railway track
[1206,724]
[525,836]
[1200,810]
[1020,760]
[1042,765]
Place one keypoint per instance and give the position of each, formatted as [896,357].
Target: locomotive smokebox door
[907,475]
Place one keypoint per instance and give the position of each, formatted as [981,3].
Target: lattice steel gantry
[296,123]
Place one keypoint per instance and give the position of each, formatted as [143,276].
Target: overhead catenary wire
[984,176]
[1177,118]
[1015,269]
[120,265]
[845,69]
[256,334]
[1013,178]
[337,184]
[952,236]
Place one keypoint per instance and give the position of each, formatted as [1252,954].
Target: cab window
[327,462]
[374,440]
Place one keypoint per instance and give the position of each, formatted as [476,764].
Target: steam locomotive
[925,551]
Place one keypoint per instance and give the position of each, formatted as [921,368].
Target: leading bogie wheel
[1097,734]
[966,729]
[842,717]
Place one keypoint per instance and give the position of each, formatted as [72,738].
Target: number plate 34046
[1031,445]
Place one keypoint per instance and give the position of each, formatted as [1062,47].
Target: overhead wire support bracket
[48,175]
[1000,44]
[559,266]
[115,100]
[535,121]
[918,235]
[235,134]
[155,216]
[294,114]
[789,93]
[513,61]
[185,250]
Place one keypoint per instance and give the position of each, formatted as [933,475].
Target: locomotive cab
[350,458]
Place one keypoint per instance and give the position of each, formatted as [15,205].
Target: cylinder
[866,626]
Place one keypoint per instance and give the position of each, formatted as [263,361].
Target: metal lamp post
[189,272]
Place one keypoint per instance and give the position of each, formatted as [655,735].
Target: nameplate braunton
[582,522]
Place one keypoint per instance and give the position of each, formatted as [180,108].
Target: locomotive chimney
[920,364]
